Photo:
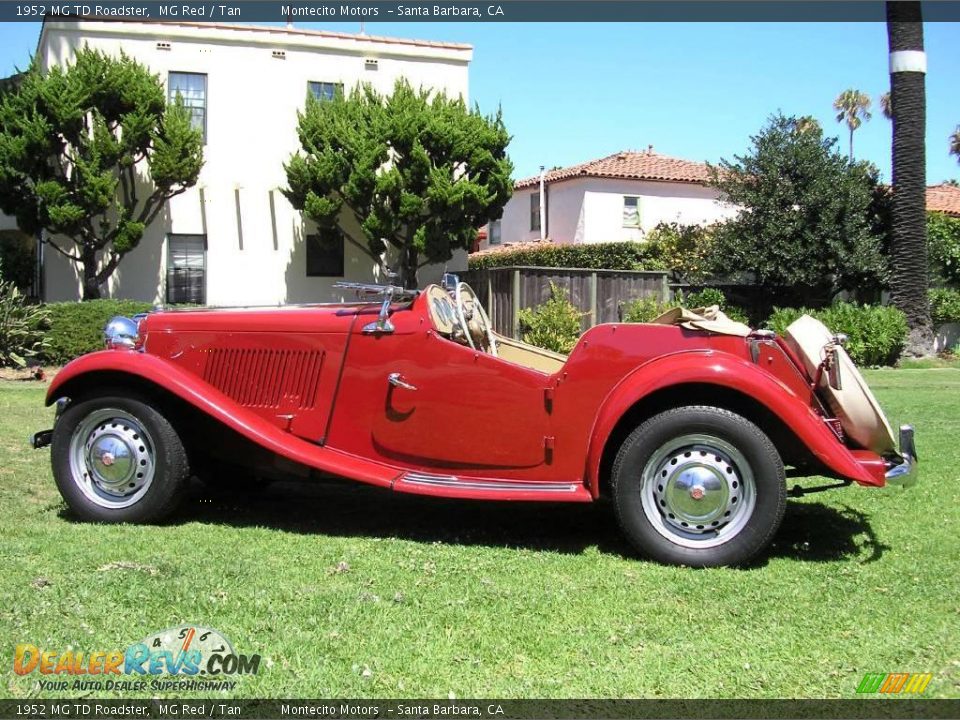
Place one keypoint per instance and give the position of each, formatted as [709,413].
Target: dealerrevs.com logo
[187,657]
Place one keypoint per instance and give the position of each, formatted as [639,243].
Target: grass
[951,360]
[349,591]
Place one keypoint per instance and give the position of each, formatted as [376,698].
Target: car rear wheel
[116,459]
[699,486]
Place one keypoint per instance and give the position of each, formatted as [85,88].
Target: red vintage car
[686,424]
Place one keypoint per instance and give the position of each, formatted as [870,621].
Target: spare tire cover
[855,406]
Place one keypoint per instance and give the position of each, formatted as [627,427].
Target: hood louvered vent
[266,378]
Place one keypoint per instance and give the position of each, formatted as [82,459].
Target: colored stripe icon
[894,683]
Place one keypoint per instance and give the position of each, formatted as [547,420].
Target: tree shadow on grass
[810,532]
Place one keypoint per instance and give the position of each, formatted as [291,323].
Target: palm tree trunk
[851,144]
[908,284]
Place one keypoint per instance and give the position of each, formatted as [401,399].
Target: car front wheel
[117,459]
[699,486]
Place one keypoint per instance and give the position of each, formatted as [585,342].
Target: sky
[572,92]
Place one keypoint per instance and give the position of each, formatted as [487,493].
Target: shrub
[645,309]
[22,327]
[945,306]
[554,325]
[711,296]
[687,250]
[649,308]
[876,334]
[77,327]
[595,256]
[943,242]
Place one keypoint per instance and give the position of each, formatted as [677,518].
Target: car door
[420,400]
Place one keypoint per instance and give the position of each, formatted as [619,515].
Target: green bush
[645,309]
[876,334]
[648,308]
[554,325]
[594,256]
[77,327]
[687,250]
[708,297]
[22,327]
[943,243]
[945,306]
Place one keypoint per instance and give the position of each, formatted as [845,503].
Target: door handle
[396,379]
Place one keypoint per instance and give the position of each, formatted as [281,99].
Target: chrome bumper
[905,473]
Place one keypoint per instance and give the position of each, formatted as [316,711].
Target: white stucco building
[234,239]
[616,198]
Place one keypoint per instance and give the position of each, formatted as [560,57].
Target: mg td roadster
[687,424]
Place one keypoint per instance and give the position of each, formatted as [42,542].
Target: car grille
[266,378]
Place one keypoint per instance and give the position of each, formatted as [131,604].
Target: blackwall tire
[699,486]
[117,459]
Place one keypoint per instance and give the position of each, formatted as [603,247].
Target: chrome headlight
[121,332]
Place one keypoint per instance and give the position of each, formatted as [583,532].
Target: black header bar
[258,11]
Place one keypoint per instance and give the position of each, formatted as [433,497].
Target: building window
[325,254]
[535,211]
[187,269]
[192,87]
[631,211]
[493,232]
[324,90]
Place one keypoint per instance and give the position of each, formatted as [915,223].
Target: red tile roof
[944,198]
[629,165]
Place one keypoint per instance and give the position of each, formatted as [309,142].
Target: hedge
[595,256]
[876,335]
[77,327]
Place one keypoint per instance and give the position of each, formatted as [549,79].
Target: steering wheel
[475,314]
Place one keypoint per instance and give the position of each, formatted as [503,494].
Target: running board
[421,483]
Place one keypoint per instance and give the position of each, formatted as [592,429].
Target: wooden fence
[504,291]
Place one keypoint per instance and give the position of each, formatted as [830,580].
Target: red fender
[729,371]
[211,401]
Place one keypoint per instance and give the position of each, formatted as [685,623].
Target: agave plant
[22,327]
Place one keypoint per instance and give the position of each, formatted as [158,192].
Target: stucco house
[234,239]
[619,197]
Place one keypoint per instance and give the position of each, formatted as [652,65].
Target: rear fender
[192,390]
[726,371]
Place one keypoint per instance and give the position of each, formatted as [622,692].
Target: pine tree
[808,224]
[416,172]
[91,152]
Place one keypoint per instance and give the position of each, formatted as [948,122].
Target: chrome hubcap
[698,491]
[112,458]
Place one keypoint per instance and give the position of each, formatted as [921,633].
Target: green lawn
[349,591]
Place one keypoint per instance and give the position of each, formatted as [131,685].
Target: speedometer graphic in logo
[185,649]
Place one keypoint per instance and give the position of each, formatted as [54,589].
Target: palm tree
[955,143]
[908,282]
[886,107]
[853,108]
